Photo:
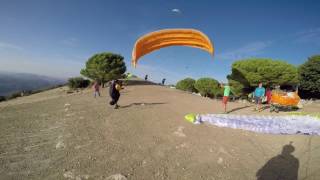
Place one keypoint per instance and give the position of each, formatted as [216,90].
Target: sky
[56,37]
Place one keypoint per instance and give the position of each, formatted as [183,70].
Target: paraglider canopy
[170,37]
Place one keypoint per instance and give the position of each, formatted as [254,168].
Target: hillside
[15,82]
[55,135]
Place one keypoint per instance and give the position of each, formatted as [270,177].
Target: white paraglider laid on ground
[289,124]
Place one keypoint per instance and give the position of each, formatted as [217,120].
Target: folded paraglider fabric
[264,124]
[287,99]
[190,117]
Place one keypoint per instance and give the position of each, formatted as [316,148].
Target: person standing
[226,93]
[163,81]
[96,89]
[114,92]
[146,77]
[268,95]
[259,92]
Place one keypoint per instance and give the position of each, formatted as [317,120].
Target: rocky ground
[55,135]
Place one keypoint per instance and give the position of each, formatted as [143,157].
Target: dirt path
[53,135]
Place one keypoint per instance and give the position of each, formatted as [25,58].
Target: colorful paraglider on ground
[170,37]
[284,100]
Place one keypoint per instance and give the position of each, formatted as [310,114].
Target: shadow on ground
[141,104]
[283,166]
[239,108]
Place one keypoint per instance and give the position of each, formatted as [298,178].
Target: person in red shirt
[268,95]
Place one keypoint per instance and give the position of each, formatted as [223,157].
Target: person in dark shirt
[114,92]
[163,81]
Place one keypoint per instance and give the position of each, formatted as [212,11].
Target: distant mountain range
[16,82]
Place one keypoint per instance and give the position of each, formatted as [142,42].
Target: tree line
[245,75]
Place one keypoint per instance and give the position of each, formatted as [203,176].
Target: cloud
[4,45]
[175,10]
[70,42]
[308,36]
[248,50]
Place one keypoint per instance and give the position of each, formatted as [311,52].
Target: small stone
[144,162]
[60,145]
[179,132]
[116,177]
[220,160]
[68,174]
[86,176]
[27,148]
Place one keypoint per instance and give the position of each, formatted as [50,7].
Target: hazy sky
[56,37]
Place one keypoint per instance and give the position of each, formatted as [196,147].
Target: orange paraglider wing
[170,37]
[285,100]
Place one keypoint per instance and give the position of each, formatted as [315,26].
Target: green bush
[104,67]
[309,73]
[246,74]
[186,85]
[208,87]
[2,98]
[237,88]
[78,82]
[129,76]
[14,95]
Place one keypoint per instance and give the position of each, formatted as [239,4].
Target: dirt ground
[55,135]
